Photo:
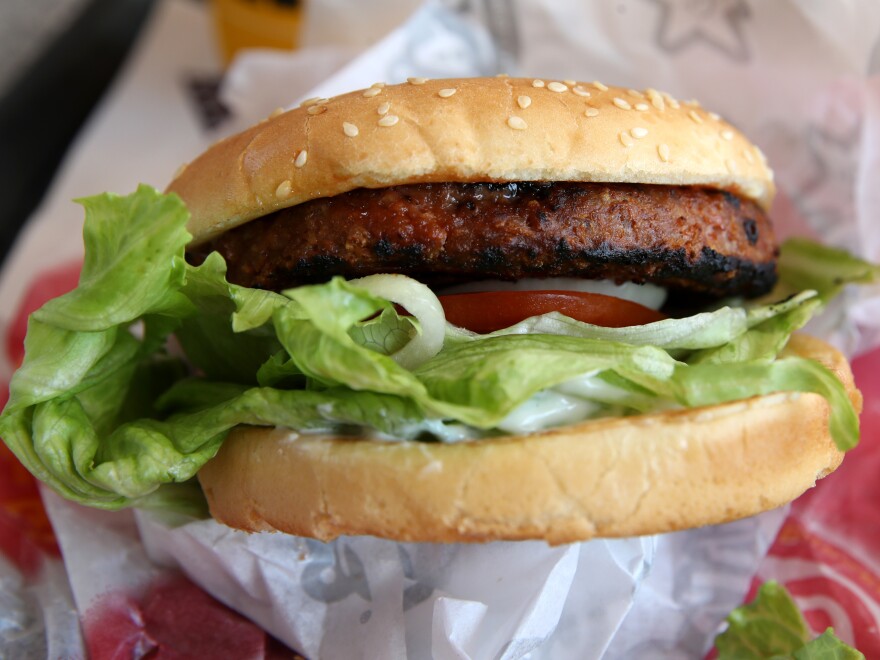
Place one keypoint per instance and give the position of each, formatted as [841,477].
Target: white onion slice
[418,300]
[649,295]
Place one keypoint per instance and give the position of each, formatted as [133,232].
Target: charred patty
[684,238]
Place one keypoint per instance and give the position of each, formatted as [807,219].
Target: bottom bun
[605,478]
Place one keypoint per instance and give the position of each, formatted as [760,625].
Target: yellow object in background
[257,24]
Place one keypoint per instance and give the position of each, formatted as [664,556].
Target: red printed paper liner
[174,618]
[827,553]
[25,531]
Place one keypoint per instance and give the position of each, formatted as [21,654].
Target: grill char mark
[685,238]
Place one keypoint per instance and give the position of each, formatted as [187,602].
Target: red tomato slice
[493,310]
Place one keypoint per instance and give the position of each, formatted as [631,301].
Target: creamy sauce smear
[573,401]
[562,405]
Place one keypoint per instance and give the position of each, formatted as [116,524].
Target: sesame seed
[693,115]
[384,108]
[663,152]
[446,93]
[694,102]
[557,87]
[753,190]
[349,129]
[600,86]
[180,170]
[620,103]
[523,101]
[301,158]
[283,189]
[502,75]
[761,155]
[591,111]
[732,167]
[671,101]
[310,101]
[714,116]
[373,91]
[570,83]
[750,159]
[642,107]
[276,112]
[638,132]
[580,91]
[316,109]
[727,134]
[656,99]
[625,139]
[636,93]
[416,81]
[378,84]
[537,83]
[517,123]
[389,120]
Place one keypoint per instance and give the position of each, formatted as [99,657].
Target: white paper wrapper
[361,597]
[800,77]
[37,617]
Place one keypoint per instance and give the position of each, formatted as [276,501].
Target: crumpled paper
[799,77]
[362,597]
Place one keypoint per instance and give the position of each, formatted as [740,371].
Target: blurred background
[57,58]
[805,64]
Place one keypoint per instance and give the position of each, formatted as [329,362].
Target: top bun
[467,130]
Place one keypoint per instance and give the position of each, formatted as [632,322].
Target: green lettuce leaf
[106,411]
[828,646]
[771,626]
[805,264]
[769,328]
[147,229]
[207,336]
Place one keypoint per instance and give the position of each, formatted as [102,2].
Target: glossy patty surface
[684,238]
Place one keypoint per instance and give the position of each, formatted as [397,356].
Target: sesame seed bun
[606,478]
[467,130]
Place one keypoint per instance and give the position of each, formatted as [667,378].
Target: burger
[446,311]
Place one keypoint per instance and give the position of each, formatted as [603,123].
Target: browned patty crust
[687,238]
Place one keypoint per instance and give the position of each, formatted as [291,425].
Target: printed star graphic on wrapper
[715,23]
[827,197]
[817,167]
[333,573]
